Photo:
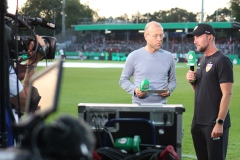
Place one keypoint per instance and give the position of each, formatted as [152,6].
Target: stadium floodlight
[179,30]
[107,31]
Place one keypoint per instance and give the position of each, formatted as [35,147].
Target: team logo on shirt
[208,67]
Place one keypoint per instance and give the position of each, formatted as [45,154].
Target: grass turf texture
[93,85]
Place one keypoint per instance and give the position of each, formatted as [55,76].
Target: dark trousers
[205,147]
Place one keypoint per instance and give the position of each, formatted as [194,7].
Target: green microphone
[128,143]
[191,57]
[144,85]
[133,144]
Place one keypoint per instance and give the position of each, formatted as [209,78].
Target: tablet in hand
[157,90]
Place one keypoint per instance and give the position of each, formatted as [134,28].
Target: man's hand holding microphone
[190,76]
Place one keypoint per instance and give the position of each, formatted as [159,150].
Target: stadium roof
[140,26]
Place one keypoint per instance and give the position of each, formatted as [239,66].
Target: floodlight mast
[202,15]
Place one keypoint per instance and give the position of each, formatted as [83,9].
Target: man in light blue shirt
[151,63]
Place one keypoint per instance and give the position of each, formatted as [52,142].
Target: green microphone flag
[191,57]
[191,61]
[144,85]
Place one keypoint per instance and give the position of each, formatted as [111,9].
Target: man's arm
[226,89]
[172,83]
[30,70]
[126,74]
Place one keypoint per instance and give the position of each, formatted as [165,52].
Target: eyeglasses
[157,36]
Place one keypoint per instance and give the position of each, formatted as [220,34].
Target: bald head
[153,35]
[151,25]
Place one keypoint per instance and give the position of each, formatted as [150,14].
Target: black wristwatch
[219,121]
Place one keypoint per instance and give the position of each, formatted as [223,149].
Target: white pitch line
[189,156]
[85,65]
[88,65]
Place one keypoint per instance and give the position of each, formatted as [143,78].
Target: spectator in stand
[80,54]
[62,54]
[238,48]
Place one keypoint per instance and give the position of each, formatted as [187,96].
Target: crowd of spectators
[226,46]
[174,45]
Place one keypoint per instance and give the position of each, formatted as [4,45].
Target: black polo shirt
[211,72]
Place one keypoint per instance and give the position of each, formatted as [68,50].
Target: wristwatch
[219,121]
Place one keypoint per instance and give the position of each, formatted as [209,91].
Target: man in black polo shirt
[213,81]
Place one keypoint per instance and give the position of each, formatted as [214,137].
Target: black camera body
[66,138]
[20,33]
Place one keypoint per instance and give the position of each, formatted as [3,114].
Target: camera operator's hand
[34,59]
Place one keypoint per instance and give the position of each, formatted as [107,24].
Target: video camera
[20,31]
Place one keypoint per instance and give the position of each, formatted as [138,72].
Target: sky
[115,8]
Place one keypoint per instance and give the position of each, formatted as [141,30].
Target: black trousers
[205,147]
